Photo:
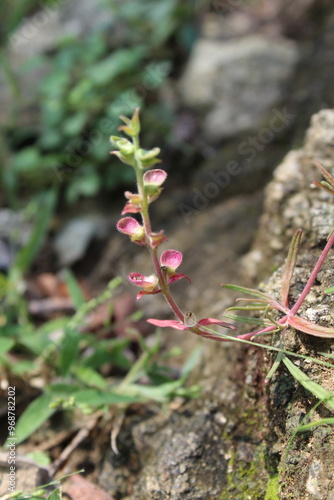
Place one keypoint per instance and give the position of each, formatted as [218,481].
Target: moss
[245,479]
[272,489]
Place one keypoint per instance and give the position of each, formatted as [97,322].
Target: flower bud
[147,158]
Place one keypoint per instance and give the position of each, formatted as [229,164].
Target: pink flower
[148,282]
[157,238]
[154,177]
[133,205]
[131,227]
[177,325]
[170,260]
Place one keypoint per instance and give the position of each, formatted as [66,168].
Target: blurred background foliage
[86,83]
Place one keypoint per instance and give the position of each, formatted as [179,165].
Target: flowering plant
[149,184]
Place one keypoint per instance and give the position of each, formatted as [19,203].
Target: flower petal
[145,292]
[171,259]
[129,225]
[157,238]
[155,177]
[177,276]
[172,323]
[130,208]
[148,282]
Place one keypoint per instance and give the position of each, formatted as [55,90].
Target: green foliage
[90,81]
[80,383]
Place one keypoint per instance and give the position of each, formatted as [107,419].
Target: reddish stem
[313,276]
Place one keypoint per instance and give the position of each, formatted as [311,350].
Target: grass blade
[248,291]
[317,390]
[290,266]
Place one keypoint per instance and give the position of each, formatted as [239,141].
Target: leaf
[290,266]
[310,328]
[120,62]
[6,345]
[316,423]
[317,390]
[96,398]
[243,319]
[330,290]
[191,362]
[248,291]
[74,289]
[29,251]
[33,417]
[325,173]
[69,351]
[55,495]
[90,377]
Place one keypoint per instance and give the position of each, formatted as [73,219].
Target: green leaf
[40,457]
[75,124]
[248,291]
[290,266]
[317,390]
[96,398]
[120,62]
[191,362]
[33,417]
[6,345]
[69,351]
[74,289]
[28,253]
[330,290]
[55,495]
[90,377]
[316,423]
[27,160]
[243,319]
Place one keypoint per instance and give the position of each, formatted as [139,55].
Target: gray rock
[74,237]
[237,83]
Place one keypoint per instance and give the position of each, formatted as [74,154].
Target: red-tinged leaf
[290,266]
[172,323]
[310,328]
[323,185]
[325,173]
[213,321]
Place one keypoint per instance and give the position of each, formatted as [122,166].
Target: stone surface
[237,83]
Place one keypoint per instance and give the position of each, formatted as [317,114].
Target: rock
[305,465]
[74,237]
[290,201]
[235,84]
